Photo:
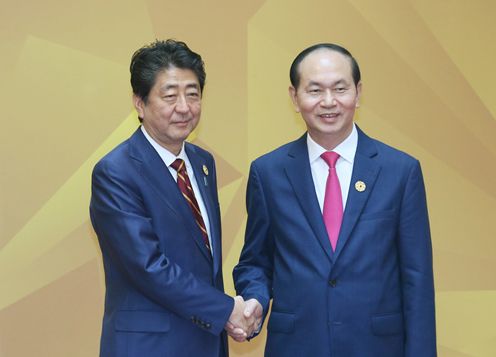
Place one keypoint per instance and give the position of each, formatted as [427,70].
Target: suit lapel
[161,181]
[300,176]
[365,169]
[205,185]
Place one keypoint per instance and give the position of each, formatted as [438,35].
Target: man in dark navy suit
[338,232]
[155,209]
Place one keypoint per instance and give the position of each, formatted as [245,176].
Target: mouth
[329,115]
[181,122]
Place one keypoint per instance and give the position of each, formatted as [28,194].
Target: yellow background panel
[428,89]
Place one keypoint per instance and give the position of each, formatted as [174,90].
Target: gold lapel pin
[205,170]
[360,186]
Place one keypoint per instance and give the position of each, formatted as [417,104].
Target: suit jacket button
[333,283]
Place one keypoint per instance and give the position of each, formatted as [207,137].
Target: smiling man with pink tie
[338,232]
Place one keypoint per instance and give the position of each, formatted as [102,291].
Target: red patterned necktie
[333,202]
[187,190]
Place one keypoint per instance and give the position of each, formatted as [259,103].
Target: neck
[329,141]
[173,147]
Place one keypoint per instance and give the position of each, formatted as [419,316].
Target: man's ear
[359,94]
[139,105]
[292,94]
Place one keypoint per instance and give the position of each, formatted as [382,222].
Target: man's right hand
[253,309]
[245,319]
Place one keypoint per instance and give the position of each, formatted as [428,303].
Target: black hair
[150,60]
[294,75]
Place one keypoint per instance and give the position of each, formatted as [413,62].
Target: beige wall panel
[428,89]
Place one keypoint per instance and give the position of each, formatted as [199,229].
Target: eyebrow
[175,86]
[341,81]
[193,85]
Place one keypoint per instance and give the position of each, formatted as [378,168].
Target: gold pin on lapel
[205,170]
[360,186]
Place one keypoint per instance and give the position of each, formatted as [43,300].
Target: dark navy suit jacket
[374,296]
[164,293]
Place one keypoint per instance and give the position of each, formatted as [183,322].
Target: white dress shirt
[344,165]
[168,158]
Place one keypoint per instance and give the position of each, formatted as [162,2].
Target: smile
[329,115]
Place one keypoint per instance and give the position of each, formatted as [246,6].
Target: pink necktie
[333,202]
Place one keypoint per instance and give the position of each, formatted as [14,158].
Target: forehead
[176,77]
[325,63]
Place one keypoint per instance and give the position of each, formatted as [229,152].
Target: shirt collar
[167,157]
[346,149]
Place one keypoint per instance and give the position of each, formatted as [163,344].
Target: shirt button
[333,283]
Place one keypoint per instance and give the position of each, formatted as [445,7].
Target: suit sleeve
[253,274]
[416,269]
[126,234]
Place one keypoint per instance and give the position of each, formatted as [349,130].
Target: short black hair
[294,75]
[150,60]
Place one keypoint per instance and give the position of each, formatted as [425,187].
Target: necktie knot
[330,157]
[178,165]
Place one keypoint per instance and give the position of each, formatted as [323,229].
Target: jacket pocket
[390,324]
[142,321]
[281,322]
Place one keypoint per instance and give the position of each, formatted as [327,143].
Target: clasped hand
[245,319]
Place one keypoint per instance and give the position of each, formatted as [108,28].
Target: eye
[341,89]
[314,91]
[169,97]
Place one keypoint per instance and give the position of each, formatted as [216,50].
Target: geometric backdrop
[428,89]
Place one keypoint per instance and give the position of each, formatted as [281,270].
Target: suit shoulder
[275,155]
[115,157]
[394,156]
[197,150]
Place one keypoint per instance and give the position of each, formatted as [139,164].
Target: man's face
[173,108]
[326,96]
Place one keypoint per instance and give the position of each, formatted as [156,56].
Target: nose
[328,99]
[182,104]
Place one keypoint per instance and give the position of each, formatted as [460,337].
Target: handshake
[245,319]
